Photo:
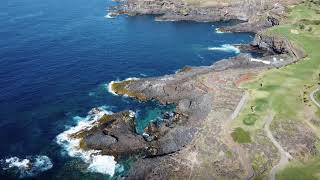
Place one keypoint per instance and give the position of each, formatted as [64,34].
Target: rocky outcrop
[115,135]
[277,45]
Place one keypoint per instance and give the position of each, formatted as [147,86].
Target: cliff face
[257,14]
[278,45]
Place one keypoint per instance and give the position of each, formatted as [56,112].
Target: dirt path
[240,105]
[312,97]
[236,148]
[285,156]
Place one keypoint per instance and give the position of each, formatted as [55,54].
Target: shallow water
[56,58]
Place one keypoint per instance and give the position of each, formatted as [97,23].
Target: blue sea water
[56,57]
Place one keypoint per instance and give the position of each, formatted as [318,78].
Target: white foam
[28,167]
[131,79]
[165,20]
[132,114]
[225,48]
[260,60]
[218,31]
[97,162]
[109,16]
[110,88]
[103,164]
[201,57]
[117,81]
[16,162]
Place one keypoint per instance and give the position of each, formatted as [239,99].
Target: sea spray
[225,48]
[109,16]
[97,162]
[109,85]
[27,167]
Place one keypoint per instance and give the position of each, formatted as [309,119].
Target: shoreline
[202,95]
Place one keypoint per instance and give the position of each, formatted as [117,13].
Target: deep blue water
[57,55]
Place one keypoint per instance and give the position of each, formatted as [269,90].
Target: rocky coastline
[194,136]
[253,15]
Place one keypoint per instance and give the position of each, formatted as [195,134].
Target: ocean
[56,60]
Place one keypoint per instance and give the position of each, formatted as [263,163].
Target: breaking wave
[97,162]
[28,167]
[109,85]
[225,48]
[109,16]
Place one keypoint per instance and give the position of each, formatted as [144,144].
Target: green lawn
[285,91]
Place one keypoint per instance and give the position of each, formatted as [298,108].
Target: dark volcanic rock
[99,140]
[278,45]
[116,137]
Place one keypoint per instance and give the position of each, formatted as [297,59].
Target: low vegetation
[241,136]
[298,171]
[121,89]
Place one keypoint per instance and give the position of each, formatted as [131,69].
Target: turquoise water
[56,58]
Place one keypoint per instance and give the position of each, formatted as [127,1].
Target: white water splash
[97,162]
[109,85]
[225,48]
[109,16]
[28,167]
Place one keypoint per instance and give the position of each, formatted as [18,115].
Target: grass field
[285,91]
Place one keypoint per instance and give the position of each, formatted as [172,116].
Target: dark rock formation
[278,45]
[116,136]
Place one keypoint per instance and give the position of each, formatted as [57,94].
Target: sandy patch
[294,31]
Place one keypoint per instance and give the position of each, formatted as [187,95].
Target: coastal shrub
[239,135]
[309,22]
[301,26]
[250,119]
